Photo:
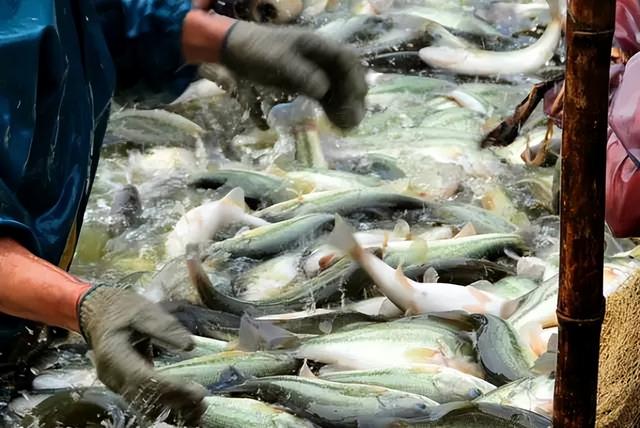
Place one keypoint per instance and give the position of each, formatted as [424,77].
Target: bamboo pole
[580,303]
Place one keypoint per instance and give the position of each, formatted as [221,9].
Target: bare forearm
[34,289]
[202,36]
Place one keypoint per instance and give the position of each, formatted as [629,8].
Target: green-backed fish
[258,186]
[211,370]
[334,404]
[225,412]
[502,354]
[274,238]
[319,289]
[409,342]
[529,393]
[442,384]
[342,202]
[465,415]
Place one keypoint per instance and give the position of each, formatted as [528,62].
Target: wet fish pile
[394,275]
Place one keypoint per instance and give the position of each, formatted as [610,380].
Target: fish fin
[511,254]
[342,238]
[275,170]
[235,197]
[389,310]
[402,229]
[305,371]
[402,279]
[385,241]
[467,230]
[199,278]
[482,285]
[421,355]
[545,364]
[430,276]
[229,377]
[419,246]
[552,344]
[509,307]
[257,335]
[532,335]
[253,221]
[555,9]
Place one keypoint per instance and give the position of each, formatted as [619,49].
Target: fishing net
[619,370]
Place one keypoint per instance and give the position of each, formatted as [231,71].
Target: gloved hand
[112,320]
[299,62]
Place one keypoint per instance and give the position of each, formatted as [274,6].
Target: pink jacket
[623,146]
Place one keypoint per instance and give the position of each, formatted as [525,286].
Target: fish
[333,404]
[491,63]
[404,343]
[483,246]
[258,187]
[314,291]
[126,209]
[465,415]
[377,307]
[268,279]
[414,297]
[200,321]
[441,384]
[65,379]
[244,412]
[502,354]
[200,224]
[371,164]
[272,238]
[318,180]
[150,127]
[213,371]
[82,407]
[533,393]
[461,271]
[343,202]
[452,19]
[483,220]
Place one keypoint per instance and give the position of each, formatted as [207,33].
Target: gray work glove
[298,61]
[113,321]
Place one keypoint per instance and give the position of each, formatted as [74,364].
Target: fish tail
[555,9]
[235,197]
[343,239]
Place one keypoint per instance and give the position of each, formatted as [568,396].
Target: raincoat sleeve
[623,155]
[144,38]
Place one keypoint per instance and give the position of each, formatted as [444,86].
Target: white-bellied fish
[491,63]
[200,224]
[414,297]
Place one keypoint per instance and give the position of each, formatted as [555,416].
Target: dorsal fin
[275,170]
[305,371]
[402,279]
[235,197]
[430,276]
[402,229]
[467,230]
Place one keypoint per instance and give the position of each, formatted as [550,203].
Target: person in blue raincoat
[61,62]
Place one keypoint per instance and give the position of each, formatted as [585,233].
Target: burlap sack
[619,368]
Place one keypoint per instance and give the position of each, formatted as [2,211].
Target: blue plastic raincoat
[61,62]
